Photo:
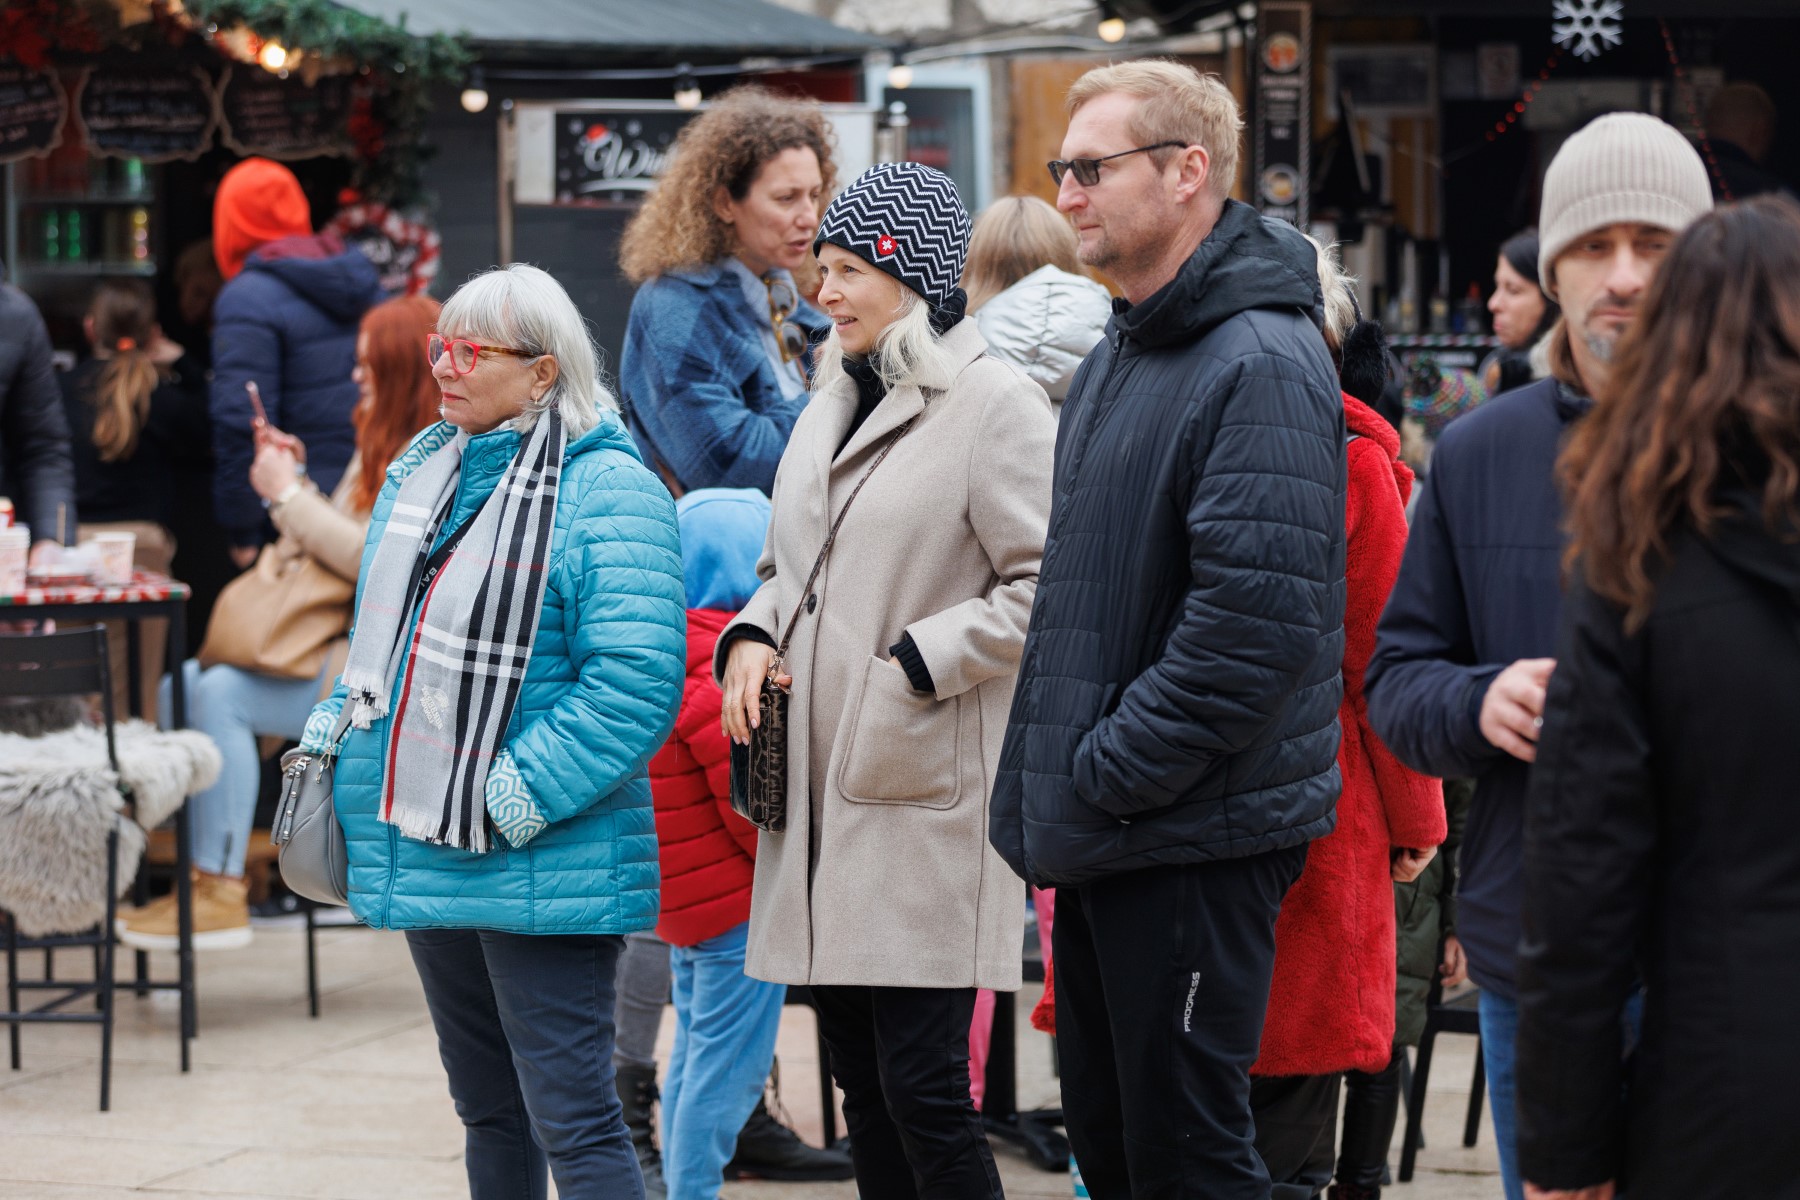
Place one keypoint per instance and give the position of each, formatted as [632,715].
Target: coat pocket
[905,747]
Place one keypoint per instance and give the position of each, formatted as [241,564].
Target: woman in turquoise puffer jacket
[503,817]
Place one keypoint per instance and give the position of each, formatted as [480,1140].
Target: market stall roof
[629,26]
[1181,14]
[1541,8]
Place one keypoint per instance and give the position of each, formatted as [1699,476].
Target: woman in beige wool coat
[883,893]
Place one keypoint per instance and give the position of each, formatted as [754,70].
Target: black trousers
[1162,982]
[1296,1126]
[525,1031]
[902,1057]
[1371,1109]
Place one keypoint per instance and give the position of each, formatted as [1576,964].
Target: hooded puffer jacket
[1045,324]
[1179,692]
[289,323]
[708,851]
[600,694]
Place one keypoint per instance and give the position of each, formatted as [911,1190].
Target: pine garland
[401,66]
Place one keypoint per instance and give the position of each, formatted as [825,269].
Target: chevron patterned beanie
[905,219]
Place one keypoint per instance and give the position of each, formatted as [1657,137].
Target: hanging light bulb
[273,56]
[687,89]
[900,76]
[475,97]
[1112,25]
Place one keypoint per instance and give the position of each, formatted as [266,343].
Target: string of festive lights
[1693,108]
[1524,101]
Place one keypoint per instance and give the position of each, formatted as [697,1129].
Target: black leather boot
[637,1092]
[767,1149]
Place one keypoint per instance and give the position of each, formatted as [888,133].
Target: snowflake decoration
[1590,25]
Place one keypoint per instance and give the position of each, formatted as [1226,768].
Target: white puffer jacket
[1045,324]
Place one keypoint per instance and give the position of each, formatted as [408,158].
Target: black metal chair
[1457,1016]
[44,666]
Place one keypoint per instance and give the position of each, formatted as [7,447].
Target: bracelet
[287,493]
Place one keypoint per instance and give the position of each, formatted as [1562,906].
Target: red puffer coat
[708,852]
[1331,1005]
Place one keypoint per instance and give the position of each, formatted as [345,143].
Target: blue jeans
[725,1024]
[525,1032]
[1499,1032]
[234,707]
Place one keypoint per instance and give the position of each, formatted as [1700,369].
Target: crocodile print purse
[759,771]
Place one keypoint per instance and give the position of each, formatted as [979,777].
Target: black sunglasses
[1087,170]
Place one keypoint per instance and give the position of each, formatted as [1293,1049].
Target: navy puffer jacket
[289,322]
[1179,692]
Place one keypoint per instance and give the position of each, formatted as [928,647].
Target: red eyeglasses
[464,354]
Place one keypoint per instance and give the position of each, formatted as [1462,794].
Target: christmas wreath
[404,249]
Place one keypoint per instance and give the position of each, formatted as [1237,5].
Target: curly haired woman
[718,346]
[715,370]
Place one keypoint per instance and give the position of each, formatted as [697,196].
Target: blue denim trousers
[234,707]
[725,1025]
[525,1032]
[1499,1032]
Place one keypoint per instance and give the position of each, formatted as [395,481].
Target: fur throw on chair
[59,799]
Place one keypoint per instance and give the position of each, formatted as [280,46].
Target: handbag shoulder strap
[831,537]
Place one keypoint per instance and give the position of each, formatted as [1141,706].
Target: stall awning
[630,27]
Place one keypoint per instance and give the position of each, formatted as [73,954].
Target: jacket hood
[1247,262]
[704,625]
[722,534]
[1365,422]
[1743,541]
[332,276]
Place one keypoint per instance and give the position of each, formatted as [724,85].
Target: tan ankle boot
[221,917]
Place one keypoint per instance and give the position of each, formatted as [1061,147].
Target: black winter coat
[1479,588]
[1661,843]
[1178,697]
[36,472]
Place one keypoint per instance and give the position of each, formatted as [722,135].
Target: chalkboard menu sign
[284,118]
[147,113]
[32,109]
[613,157]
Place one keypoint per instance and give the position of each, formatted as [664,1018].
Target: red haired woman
[238,697]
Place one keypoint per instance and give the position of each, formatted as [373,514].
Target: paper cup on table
[113,555]
[15,549]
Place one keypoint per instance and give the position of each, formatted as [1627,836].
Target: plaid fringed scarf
[478,615]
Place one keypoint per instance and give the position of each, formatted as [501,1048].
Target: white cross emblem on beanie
[886,246]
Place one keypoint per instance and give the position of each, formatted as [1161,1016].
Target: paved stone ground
[352,1106]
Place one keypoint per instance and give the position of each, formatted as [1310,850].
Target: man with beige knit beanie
[1462,656]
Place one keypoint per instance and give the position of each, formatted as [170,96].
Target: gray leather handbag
[315,861]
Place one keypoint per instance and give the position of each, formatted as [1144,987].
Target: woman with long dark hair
[1660,832]
[1523,313]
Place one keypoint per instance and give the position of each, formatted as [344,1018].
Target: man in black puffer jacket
[1173,739]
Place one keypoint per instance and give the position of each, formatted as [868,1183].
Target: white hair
[1340,302]
[524,308]
[906,352]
